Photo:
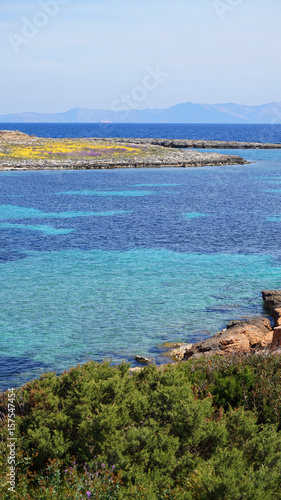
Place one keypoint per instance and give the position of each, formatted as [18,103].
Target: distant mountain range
[181,113]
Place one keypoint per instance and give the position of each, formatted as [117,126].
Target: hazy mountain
[181,113]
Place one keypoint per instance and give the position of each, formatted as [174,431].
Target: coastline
[244,336]
[252,336]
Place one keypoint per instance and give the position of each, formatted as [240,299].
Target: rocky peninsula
[19,151]
[204,144]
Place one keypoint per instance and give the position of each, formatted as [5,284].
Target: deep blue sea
[113,263]
[249,133]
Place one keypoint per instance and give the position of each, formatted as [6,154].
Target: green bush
[198,430]
[251,381]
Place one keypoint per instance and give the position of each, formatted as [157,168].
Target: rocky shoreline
[242,336]
[194,160]
[204,144]
[248,336]
[148,153]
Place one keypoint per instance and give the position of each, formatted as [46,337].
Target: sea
[110,264]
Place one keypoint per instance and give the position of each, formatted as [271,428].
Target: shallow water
[112,263]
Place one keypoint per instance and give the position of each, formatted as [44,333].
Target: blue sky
[59,54]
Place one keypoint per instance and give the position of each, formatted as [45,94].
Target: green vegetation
[206,429]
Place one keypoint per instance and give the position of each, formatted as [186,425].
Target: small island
[19,151]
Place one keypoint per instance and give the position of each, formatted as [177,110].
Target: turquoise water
[17,212]
[92,277]
[73,306]
[195,215]
[27,227]
[109,193]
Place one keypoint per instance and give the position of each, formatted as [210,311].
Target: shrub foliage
[206,429]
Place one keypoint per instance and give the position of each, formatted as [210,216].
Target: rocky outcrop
[244,336]
[239,336]
[143,359]
[272,302]
[10,135]
[262,324]
[177,351]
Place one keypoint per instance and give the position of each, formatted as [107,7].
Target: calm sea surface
[249,133]
[112,263]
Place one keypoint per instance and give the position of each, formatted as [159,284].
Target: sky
[59,54]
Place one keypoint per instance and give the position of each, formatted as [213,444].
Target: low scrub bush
[198,430]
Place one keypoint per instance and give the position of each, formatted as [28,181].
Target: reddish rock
[244,336]
[277,313]
[235,343]
[272,302]
[256,336]
[276,341]
[267,341]
[262,323]
[240,336]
